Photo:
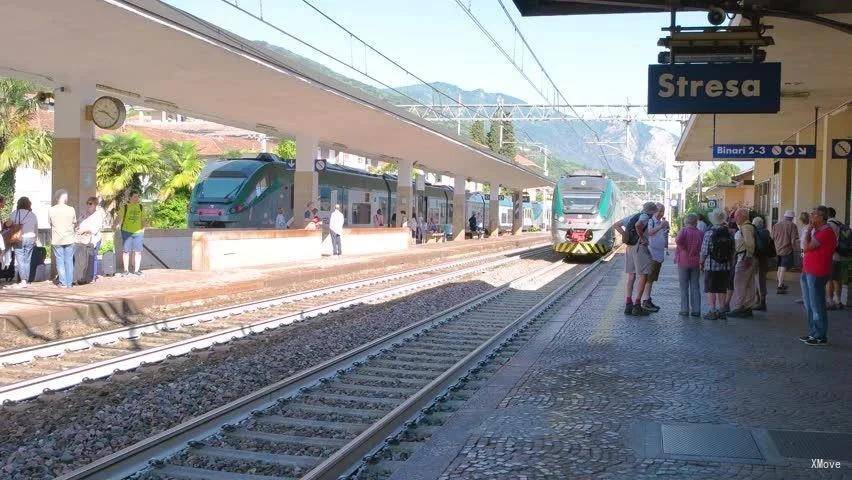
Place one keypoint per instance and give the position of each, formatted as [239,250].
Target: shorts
[717,282]
[132,242]
[655,271]
[786,261]
[638,260]
[835,271]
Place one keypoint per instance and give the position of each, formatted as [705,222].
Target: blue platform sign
[714,88]
[763,151]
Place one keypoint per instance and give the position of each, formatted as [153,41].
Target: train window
[580,204]
[260,187]
[219,187]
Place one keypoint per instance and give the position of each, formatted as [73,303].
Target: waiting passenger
[335,228]
[764,249]
[785,234]
[702,224]
[423,228]
[688,259]
[403,219]
[637,261]
[378,219]
[744,290]
[658,242]
[62,219]
[818,244]
[132,222]
[309,207]
[717,255]
[472,223]
[89,232]
[20,236]
[281,221]
[835,285]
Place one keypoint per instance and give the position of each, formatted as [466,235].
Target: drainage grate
[709,441]
[825,445]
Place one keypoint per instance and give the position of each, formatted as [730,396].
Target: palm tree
[127,162]
[20,144]
[183,165]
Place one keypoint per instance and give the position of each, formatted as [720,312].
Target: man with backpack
[764,250]
[844,249]
[743,298]
[785,236]
[637,262]
[717,254]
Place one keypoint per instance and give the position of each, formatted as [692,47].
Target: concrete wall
[165,249]
[362,241]
[215,250]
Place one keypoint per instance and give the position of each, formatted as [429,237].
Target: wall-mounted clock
[108,113]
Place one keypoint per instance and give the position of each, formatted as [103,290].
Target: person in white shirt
[89,230]
[23,219]
[281,221]
[335,227]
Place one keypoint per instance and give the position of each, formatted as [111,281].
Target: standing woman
[378,219]
[89,230]
[22,238]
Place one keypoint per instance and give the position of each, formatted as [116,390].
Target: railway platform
[596,394]
[48,313]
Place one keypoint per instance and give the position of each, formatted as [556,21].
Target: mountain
[643,152]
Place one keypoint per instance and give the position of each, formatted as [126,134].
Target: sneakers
[649,306]
[805,338]
[760,306]
[740,313]
[816,342]
[695,314]
[638,311]
[628,308]
[711,315]
[138,274]
[799,301]
[683,314]
[782,289]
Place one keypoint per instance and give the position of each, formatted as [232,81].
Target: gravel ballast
[46,438]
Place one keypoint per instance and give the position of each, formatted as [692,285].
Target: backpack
[721,245]
[844,239]
[631,235]
[764,245]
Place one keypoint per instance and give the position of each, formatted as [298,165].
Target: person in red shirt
[818,244]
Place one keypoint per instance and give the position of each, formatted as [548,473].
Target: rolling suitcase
[83,262]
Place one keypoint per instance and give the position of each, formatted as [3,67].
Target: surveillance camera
[716,16]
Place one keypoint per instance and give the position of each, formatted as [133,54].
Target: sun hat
[789,214]
[717,217]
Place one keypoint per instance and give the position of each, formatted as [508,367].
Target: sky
[592,59]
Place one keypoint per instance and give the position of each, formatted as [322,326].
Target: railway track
[31,371]
[320,423]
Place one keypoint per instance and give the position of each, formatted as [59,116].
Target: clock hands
[113,118]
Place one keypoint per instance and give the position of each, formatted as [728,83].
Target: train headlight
[561,219]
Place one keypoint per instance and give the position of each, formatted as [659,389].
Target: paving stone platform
[600,395]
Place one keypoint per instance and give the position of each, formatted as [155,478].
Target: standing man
[637,261]
[716,260]
[658,241]
[743,298]
[63,219]
[132,225]
[89,231]
[835,286]
[818,245]
[785,234]
[335,227]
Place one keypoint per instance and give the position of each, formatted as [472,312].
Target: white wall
[34,185]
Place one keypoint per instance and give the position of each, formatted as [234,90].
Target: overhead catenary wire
[522,72]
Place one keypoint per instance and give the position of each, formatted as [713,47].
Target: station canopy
[587,7]
[151,54]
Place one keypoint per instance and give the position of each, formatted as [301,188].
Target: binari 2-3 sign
[714,88]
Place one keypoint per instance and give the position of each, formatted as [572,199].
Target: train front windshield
[580,204]
[219,188]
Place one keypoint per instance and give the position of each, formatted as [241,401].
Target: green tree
[237,153]
[493,137]
[171,213]
[182,165]
[477,132]
[509,149]
[719,175]
[20,144]
[127,162]
[286,149]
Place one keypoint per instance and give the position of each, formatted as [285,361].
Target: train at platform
[586,204]
[247,193]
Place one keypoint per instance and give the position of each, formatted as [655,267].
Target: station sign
[841,148]
[749,151]
[712,204]
[714,88]
[319,165]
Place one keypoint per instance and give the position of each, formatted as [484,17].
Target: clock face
[842,148]
[108,113]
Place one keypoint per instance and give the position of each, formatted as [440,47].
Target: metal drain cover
[825,445]
[709,441]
